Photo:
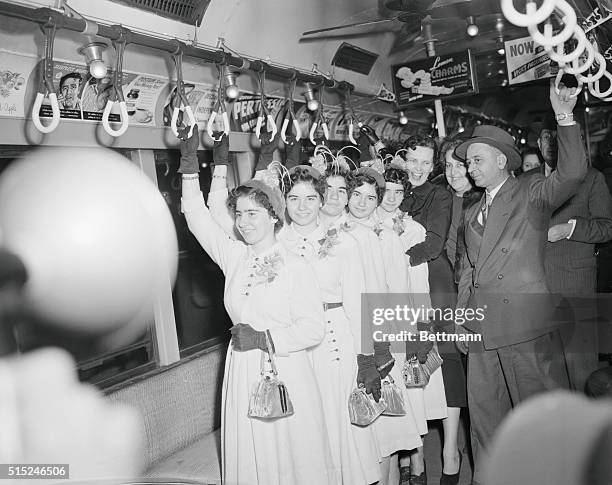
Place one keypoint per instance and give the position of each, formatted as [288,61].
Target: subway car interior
[99,258]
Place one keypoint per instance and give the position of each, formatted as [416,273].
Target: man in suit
[582,221]
[503,275]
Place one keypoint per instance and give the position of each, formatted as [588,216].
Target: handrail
[113,32]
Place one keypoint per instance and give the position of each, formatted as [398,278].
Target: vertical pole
[165,334]
[587,138]
[431,51]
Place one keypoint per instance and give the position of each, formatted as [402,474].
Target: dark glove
[293,150]
[221,149]
[368,375]
[383,357]
[266,151]
[419,347]
[369,133]
[189,150]
[246,337]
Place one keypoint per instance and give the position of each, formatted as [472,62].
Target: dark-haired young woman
[334,257]
[271,296]
[383,249]
[430,205]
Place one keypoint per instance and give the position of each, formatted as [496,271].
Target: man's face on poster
[69,91]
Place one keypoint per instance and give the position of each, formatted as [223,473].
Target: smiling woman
[274,301]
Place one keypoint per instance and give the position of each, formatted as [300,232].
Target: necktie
[484,210]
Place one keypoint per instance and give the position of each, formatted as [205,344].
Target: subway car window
[200,316]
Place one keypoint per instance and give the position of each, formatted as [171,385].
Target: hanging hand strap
[219,110]
[181,103]
[263,110]
[46,83]
[319,119]
[290,113]
[117,93]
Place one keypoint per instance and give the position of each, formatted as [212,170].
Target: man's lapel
[499,212]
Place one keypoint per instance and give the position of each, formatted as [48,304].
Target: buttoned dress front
[430,400]
[335,258]
[278,292]
[383,247]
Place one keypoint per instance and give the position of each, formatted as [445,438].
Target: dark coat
[504,266]
[455,254]
[430,205]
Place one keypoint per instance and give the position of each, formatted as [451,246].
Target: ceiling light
[232,91]
[93,58]
[587,109]
[472,28]
[403,119]
[311,102]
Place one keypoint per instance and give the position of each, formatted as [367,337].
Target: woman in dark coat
[430,205]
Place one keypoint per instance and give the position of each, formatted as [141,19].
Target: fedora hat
[495,137]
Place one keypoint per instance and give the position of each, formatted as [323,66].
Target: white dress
[431,399]
[278,292]
[335,258]
[383,249]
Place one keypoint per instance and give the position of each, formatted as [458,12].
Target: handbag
[414,373]
[433,362]
[269,398]
[417,374]
[394,399]
[363,409]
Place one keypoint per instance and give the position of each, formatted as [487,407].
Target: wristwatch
[564,116]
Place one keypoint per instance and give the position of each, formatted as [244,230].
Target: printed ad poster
[437,77]
[246,111]
[527,61]
[83,97]
[15,70]
[201,97]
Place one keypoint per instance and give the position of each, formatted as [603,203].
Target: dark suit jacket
[571,266]
[504,265]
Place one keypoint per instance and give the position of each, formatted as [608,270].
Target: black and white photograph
[321,242]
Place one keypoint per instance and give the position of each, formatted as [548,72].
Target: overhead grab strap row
[51,20]
[574,62]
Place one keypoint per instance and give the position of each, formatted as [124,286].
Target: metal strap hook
[46,89]
[117,91]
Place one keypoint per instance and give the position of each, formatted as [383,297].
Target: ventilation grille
[354,59]
[186,11]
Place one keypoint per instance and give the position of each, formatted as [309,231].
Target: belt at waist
[331,306]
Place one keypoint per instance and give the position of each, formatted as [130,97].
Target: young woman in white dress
[335,258]
[431,400]
[383,246]
[268,290]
